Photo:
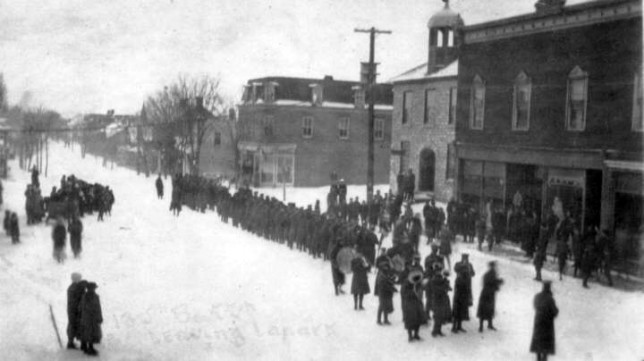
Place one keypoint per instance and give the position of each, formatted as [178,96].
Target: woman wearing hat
[543,333]
[91,320]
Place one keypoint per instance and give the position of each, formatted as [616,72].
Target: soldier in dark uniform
[487,300]
[75,292]
[385,292]
[75,229]
[442,308]
[543,333]
[159,186]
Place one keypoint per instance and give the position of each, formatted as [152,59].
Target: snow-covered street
[194,288]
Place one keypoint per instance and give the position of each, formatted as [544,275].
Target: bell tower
[445,37]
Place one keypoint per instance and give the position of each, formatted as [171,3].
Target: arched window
[577,99]
[477,105]
[521,102]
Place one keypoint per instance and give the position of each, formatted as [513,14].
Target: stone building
[425,109]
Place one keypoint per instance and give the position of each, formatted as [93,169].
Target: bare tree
[187,104]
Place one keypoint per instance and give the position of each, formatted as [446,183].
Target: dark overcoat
[386,290]
[75,293]
[359,282]
[487,300]
[91,318]
[543,333]
[75,233]
[461,303]
[59,234]
[412,306]
[442,308]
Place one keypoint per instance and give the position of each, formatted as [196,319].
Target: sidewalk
[514,253]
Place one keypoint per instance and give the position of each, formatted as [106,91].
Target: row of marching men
[305,229]
[424,291]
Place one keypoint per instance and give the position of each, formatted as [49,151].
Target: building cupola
[444,38]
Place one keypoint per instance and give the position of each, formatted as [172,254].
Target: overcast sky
[79,56]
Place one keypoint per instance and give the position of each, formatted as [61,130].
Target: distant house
[299,131]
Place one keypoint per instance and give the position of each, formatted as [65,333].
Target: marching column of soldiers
[347,239]
[349,243]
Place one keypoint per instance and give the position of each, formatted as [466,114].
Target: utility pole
[369,88]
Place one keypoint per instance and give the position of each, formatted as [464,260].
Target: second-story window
[343,128]
[477,106]
[268,124]
[217,139]
[379,129]
[638,121]
[521,106]
[407,99]
[429,116]
[452,106]
[577,100]
[307,127]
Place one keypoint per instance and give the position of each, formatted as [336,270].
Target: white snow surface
[193,288]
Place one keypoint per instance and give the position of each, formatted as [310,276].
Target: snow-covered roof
[337,105]
[420,72]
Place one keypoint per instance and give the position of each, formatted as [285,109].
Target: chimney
[199,103]
[550,6]
[232,115]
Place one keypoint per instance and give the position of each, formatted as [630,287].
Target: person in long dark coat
[386,290]
[543,333]
[75,293]
[91,320]
[59,236]
[464,266]
[7,222]
[34,176]
[487,300]
[442,308]
[412,308]
[359,282]
[159,186]
[75,229]
[415,230]
[461,302]
[430,271]
[14,228]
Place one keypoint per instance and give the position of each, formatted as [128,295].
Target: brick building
[424,111]
[549,114]
[298,131]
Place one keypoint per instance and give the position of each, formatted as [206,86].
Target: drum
[344,258]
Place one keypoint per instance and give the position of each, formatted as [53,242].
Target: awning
[267,148]
[625,165]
